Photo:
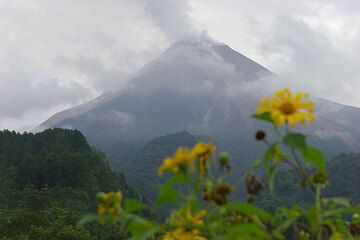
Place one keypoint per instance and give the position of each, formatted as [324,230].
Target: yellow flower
[182,158]
[185,218]
[202,151]
[109,203]
[286,108]
[182,234]
[186,225]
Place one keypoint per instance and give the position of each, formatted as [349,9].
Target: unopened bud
[320,178]
[206,197]
[219,200]
[223,189]
[260,135]
[354,229]
[253,185]
[223,158]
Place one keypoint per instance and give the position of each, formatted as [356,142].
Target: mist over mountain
[205,88]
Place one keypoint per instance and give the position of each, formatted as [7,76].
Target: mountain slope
[179,88]
[204,88]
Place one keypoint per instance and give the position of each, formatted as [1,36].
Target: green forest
[48,181]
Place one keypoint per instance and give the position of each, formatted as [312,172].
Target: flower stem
[318,211]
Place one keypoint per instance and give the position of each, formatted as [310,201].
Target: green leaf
[337,201]
[271,176]
[267,156]
[336,236]
[247,231]
[284,218]
[92,217]
[167,193]
[107,218]
[295,140]
[248,210]
[257,164]
[133,205]
[340,211]
[263,117]
[315,156]
[273,153]
[278,155]
[142,228]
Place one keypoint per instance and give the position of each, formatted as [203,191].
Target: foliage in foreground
[198,190]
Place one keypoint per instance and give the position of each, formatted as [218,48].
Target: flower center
[287,108]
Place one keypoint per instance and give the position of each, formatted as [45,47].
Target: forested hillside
[343,171]
[344,178]
[143,165]
[48,181]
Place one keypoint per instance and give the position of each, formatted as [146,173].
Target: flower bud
[320,178]
[206,197]
[223,189]
[223,158]
[260,135]
[220,200]
[354,229]
[253,185]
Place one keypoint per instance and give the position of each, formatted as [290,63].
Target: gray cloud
[21,95]
[171,17]
[311,44]
[307,59]
[54,55]
[99,76]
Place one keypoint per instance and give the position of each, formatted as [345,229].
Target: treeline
[48,181]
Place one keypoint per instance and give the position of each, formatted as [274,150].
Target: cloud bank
[54,55]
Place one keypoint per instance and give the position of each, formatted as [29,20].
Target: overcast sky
[57,54]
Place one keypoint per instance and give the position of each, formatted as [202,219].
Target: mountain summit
[179,89]
[201,87]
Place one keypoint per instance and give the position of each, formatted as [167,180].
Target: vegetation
[344,180]
[199,190]
[48,181]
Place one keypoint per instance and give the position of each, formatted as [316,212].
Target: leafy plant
[198,190]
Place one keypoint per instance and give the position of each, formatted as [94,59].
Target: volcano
[206,89]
